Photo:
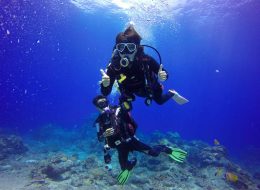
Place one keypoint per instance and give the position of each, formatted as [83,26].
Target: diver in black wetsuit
[117,128]
[136,72]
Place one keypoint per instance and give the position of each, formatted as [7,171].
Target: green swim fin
[178,155]
[123,177]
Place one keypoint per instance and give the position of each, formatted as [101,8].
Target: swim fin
[178,155]
[178,98]
[123,176]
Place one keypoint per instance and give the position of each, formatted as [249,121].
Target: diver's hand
[105,78]
[109,132]
[162,75]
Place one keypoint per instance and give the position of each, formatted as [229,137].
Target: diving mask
[127,53]
[121,47]
[102,103]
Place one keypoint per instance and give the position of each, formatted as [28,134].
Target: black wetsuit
[123,139]
[136,145]
[123,124]
[138,79]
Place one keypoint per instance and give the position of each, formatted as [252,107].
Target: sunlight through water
[147,14]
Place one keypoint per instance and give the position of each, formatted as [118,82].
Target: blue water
[51,53]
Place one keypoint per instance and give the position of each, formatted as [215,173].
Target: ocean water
[51,52]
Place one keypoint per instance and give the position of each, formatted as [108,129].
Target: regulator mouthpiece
[124,62]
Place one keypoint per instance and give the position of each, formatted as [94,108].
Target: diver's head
[127,44]
[101,102]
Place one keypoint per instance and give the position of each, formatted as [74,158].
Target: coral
[77,181]
[90,162]
[213,156]
[55,168]
[203,156]
[156,164]
[139,180]
[82,167]
[11,144]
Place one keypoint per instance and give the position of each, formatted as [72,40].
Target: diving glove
[178,155]
[123,176]
[178,98]
[162,75]
[109,132]
[105,78]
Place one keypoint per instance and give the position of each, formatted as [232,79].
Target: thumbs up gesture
[105,78]
[162,75]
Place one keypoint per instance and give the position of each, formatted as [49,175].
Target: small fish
[219,172]
[216,142]
[231,177]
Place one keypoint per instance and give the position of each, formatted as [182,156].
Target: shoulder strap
[147,75]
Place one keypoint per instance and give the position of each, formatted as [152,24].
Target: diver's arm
[107,90]
[99,132]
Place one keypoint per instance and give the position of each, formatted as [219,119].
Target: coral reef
[80,165]
[57,167]
[10,145]
[61,169]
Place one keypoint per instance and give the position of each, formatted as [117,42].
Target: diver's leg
[126,166]
[152,151]
[125,100]
[123,157]
[142,147]
[159,97]
[162,148]
[123,152]
[176,154]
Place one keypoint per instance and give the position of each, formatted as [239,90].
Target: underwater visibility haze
[51,53]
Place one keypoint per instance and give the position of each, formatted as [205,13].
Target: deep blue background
[54,80]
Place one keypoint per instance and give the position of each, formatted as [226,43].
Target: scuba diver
[117,128]
[136,72]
